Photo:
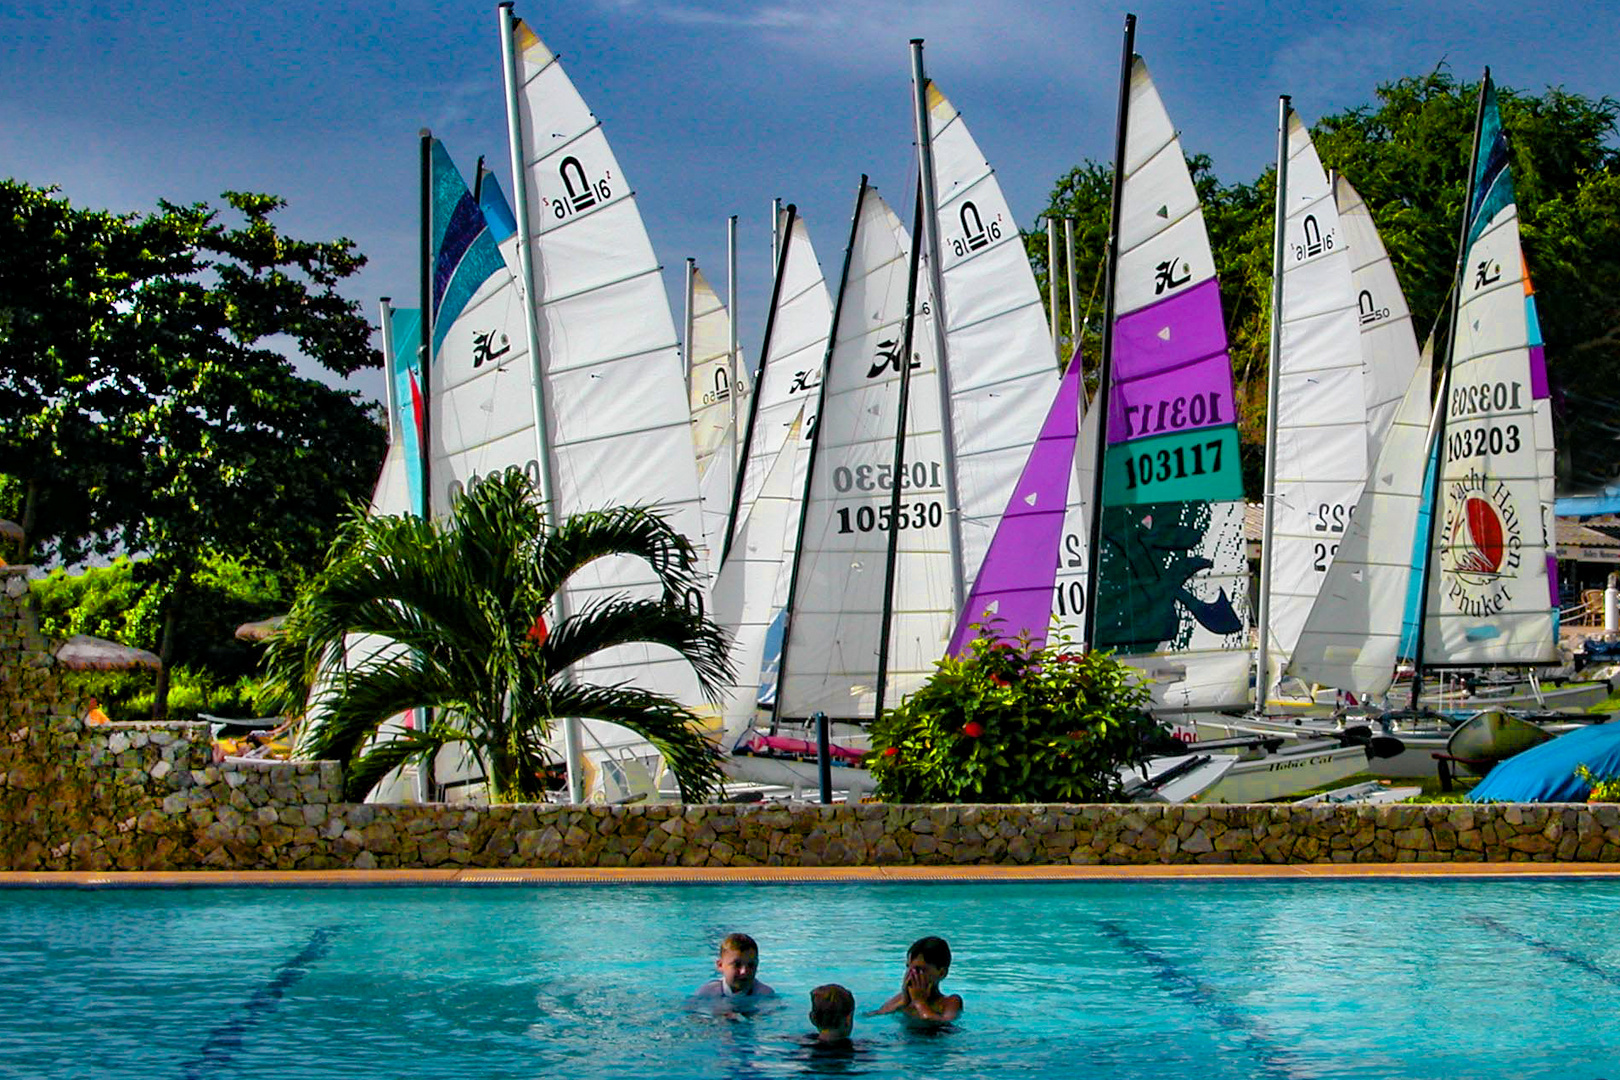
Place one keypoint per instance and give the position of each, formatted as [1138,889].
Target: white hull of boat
[801,776]
[1287,772]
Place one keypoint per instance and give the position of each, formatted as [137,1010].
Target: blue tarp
[1606,501]
[1546,773]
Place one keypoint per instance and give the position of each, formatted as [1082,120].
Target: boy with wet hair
[928,961]
[737,967]
[832,1011]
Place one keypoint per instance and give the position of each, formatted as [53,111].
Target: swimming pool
[1442,978]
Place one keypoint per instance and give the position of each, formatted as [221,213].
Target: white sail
[719,402]
[1489,598]
[1353,633]
[746,593]
[617,421]
[998,352]
[790,373]
[1320,447]
[831,653]
[1389,347]
[714,390]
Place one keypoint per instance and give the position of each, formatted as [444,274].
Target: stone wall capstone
[150,797]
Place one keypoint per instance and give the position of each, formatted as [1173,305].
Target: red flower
[998,680]
[891,751]
[1066,658]
[973,729]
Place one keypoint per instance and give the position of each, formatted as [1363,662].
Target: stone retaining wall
[149,796]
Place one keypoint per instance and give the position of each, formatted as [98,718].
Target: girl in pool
[928,961]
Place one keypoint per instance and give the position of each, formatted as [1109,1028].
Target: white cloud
[1019,38]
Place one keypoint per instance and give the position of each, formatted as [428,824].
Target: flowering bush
[1603,790]
[1010,723]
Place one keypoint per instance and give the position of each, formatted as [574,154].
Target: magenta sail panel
[1195,395]
[1013,593]
[1170,334]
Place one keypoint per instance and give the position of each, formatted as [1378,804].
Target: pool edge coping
[785,875]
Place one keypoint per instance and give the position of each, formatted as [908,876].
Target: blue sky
[713,107]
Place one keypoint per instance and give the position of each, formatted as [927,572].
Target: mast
[686,321]
[733,359]
[1105,368]
[1262,679]
[425,346]
[815,440]
[1074,293]
[928,223]
[390,391]
[531,329]
[919,216]
[786,241]
[776,234]
[1051,285]
[1440,427]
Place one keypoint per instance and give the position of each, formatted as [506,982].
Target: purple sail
[1195,395]
[1169,334]
[1013,593]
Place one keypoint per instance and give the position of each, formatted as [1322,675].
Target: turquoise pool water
[1295,979]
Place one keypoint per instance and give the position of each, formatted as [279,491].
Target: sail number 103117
[1172,463]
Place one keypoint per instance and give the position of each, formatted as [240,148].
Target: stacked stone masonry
[149,797]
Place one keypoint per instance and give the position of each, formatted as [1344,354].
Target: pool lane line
[1274,1060]
[718,875]
[1547,948]
[225,1040]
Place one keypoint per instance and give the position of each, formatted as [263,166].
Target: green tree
[212,671]
[68,277]
[157,410]
[1010,723]
[461,600]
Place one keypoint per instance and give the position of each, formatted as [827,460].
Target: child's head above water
[832,1010]
[932,955]
[738,962]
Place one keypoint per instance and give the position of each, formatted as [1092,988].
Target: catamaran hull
[1279,775]
[800,776]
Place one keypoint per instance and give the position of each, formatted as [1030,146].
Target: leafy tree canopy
[148,401]
[1407,154]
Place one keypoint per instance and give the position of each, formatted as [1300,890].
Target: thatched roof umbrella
[262,630]
[85,653]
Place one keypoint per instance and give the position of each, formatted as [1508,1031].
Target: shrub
[1606,789]
[1010,723]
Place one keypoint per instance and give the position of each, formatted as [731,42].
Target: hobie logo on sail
[1315,243]
[484,350]
[581,192]
[722,387]
[1165,275]
[1370,311]
[1489,273]
[888,359]
[1482,551]
[975,233]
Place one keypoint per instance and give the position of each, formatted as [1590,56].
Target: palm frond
[619,621]
[656,718]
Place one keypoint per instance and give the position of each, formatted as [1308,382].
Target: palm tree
[463,599]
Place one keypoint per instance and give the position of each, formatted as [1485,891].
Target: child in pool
[738,966]
[928,961]
[832,1010]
